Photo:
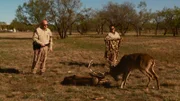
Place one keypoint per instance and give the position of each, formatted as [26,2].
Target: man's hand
[42,44]
[50,49]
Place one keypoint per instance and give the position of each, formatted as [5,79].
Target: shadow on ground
[13,38]
[9,70]
[74,63]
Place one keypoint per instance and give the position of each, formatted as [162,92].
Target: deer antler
[95,74]
[90,63]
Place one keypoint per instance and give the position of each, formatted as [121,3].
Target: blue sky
[8,7]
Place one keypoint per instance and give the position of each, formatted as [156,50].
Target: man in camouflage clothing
[42,43]
[112,42]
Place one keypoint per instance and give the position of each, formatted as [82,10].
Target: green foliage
[3,23]
[32,12]
[20,26]
[67,15]
[80,44]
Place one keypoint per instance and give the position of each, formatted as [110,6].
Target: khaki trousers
[40,57]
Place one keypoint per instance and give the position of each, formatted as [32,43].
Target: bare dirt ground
[71,57]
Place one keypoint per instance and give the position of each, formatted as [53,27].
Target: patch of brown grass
[72,55]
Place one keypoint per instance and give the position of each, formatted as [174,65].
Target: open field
[72,55]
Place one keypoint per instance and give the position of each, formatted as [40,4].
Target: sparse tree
[63,13]
[158,19]
[84,20]
[177,19]
[119,15]
[169,20]
[141,18]
[99,22]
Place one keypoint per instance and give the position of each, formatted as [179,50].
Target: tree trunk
[79,30]
[157,26]
[165,31]
[174,32]
[102,28]
[62,34]
[177,31]
[98,30]
[137,31]
[70,30]
[140,30]
[122,33]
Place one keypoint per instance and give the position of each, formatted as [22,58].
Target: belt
[47,44]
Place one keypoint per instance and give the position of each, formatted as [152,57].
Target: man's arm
[50,41]
[36,39]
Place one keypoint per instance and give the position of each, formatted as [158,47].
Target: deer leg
[148,75]
[124,78]
[127,78]
[156,77]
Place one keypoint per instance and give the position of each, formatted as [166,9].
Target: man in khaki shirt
[42,43]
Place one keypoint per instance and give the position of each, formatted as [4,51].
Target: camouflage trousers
[112,57]
[39,59]
[112,51]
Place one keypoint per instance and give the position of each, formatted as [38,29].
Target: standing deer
[143,62]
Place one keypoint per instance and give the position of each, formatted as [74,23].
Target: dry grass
[73,54]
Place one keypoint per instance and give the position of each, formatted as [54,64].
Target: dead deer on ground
[143,62]
[93,79]
[80,80]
